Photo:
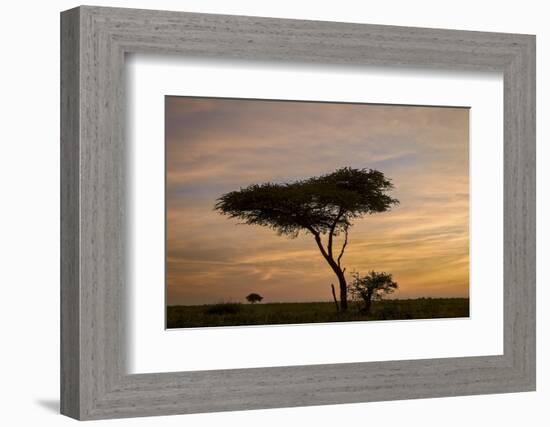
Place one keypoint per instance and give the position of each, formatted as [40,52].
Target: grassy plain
[237,314]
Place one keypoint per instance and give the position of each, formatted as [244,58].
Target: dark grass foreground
[236,314]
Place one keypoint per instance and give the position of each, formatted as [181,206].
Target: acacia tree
[374,285]
[254,298]
[322,206]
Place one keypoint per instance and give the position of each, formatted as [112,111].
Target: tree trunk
[368,303]
[367,306]
[337,270]
[343,291]
[334,297]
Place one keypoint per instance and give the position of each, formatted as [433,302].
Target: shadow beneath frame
[51,405]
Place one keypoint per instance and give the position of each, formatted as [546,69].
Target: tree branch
[322,248]
[311,230]
[328,256]
[343,246]
[331,230]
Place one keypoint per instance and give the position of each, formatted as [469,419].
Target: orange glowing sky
[218,145]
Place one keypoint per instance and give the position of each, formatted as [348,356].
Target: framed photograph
[263,179]
[261,213]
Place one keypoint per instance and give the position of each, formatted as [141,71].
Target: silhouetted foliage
[323,205]
[315,312]
[374,285]
[254,298]
[224,308]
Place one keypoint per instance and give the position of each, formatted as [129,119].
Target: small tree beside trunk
[373,286]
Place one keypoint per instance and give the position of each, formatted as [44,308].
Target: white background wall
[29,214]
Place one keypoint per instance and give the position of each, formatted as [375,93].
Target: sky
[215,145]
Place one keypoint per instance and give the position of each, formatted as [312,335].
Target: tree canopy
[319,205]
[254,298]
[373,286]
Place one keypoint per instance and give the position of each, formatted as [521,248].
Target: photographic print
[293,212]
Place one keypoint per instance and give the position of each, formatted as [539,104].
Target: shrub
[254,298]
[373,286]
[224,308]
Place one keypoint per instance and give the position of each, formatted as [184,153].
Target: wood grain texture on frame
[94,380]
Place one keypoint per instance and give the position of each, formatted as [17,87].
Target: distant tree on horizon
[254,298]
[321,206]
[373,286]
